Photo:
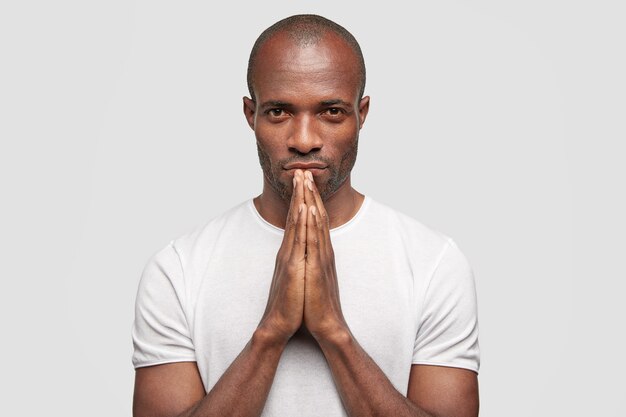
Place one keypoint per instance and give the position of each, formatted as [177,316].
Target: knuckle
[282,258]
[291,269]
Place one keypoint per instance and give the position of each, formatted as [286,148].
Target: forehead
[284,69]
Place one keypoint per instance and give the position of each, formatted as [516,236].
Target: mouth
[309,166]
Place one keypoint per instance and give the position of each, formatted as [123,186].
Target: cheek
[337,138]
[343,140]
[268,143]
[271,134]
[342,132]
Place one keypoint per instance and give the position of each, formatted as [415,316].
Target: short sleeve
[160,331]
[448,331]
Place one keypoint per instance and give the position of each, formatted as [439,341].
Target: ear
[364,107]
[249,110]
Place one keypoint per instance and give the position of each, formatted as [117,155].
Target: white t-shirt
[407,293]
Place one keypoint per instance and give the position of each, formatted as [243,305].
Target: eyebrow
[284,104]
[334,101]
[276,103]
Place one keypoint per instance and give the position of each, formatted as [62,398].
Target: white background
[499,123]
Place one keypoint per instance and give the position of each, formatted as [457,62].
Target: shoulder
[209,232]
[190,249]
[418,237]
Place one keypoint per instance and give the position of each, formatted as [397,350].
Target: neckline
[334,232]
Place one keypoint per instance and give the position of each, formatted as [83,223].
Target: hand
[285,305]
[322,308]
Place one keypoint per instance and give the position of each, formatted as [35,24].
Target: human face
[307,113]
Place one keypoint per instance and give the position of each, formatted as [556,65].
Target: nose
[304,137]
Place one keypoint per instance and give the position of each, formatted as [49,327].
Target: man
[310,299]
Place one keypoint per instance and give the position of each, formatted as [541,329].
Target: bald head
[306,30]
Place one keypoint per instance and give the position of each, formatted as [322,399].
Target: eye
[334,114]
[276,112]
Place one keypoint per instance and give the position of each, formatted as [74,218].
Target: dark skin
[307,110]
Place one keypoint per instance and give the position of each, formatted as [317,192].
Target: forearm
[364,389]
[243,388]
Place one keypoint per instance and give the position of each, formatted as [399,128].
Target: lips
[305,165]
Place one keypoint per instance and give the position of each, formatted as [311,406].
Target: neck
[341,206]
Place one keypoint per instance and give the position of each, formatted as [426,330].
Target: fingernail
[294,182]
[310,185]
[313,210]
[309,175]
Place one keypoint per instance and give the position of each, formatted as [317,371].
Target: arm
[176,389]
[365,390]
[434,391]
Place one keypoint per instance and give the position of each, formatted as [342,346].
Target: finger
[298,194]
[299,245]
[312,237]
[309,198]
[297,199]
[318,199]
[323,223]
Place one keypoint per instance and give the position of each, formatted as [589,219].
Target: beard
[338,173]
